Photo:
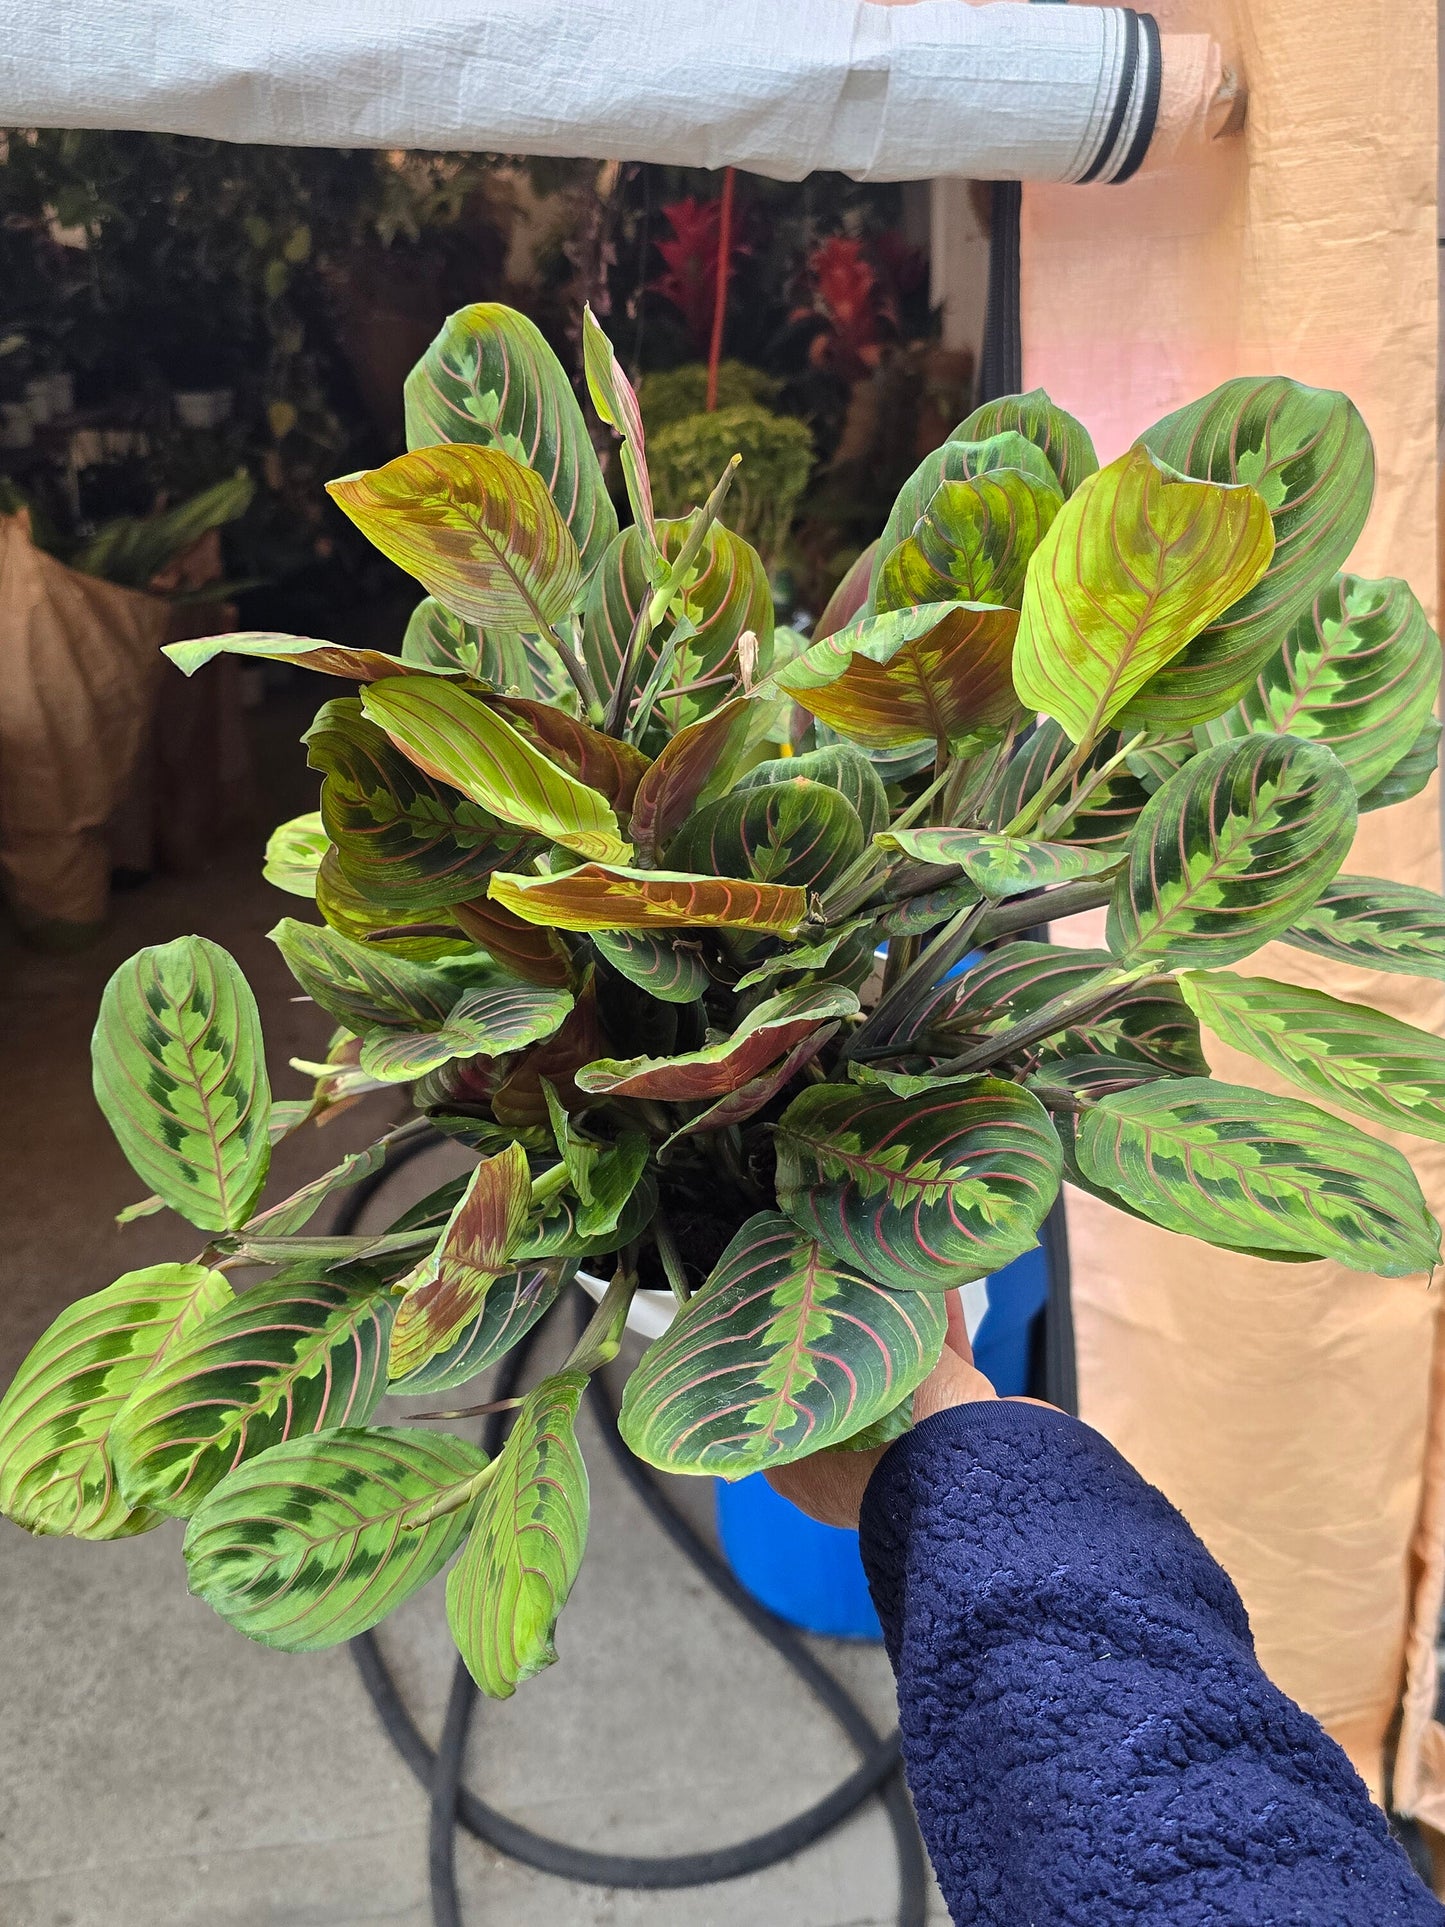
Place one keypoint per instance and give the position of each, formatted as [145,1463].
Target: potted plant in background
[573,894]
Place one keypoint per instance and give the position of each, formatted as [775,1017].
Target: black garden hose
[440,1771]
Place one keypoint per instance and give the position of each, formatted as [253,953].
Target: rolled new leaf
[1230,851]
[921,1193]
[1308,453]
[179,1070]
[309,1543]
[784,1350]
[615,401]
[459,740]
[1246,1170]
[1139,559]
[1385,1071]
[1376,922]
[506,1592]
[56,1474]
[280,1361]
[475,527]
[490,378]
[1359,671]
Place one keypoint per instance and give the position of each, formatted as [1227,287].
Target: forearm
[1088,1735]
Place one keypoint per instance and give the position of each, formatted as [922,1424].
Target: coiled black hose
[879,1770]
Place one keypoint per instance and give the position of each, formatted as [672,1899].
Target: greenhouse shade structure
[1004,92]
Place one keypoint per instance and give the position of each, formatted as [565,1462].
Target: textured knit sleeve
[1088,1736]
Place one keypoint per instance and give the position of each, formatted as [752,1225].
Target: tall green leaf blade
[1110,811]
[1138,560]
[1242,1169]
[1001,866]
[362,984]
[56,1474]
[309,1544]
[490,378]
[511,1306]
[692,767]
[1377,923]
[461,741]
[920,1193]
[1383,1070]
[180,1072]
[1230,851]
[613,398]
[507,1591]
[1358,671]
[291,1214]
[972,542]
[477,529]
[442,1295]
[1065,443]
[1308,452]
[782,1352]
[280,1361]
[403,839]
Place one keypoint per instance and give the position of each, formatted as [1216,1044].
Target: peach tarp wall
[1296,1414]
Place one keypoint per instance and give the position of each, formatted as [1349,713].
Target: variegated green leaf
[972,543]
[1308,453]
[512,1305]
[1064,442]
[483,1023]
[404,841]
[693,767]
[56,1474]
[958,460]
[303,652]
[180,1072]
[920,1193]
[666,968]
[1001,866]
[361,984]
[1246,1170]
[620,1202]
[1375,922]
[291,1214]
[420,936]
[507,1591]
[940,672]
[522,950]
[1410,775]
[769,1031]
[1140,559]
[1230,851]
[293,854]
[598,898]
[279,1361]
[475,527]
[841,767]
[783,1351]
[442,1295]
[1111,810]
[798,832]
[490,378]
[728,596]
[1358,671]
[460,740]
[1374,1065]
[309,1544]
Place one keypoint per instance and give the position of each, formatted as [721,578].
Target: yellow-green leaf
[594,898]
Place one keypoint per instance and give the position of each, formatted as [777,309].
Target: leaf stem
[671,1257]
[1045,906]
[917,983]
[601,1338]
[1095,997]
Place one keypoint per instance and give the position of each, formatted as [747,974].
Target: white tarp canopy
[1004,91]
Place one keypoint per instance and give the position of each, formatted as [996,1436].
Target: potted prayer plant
[600,875]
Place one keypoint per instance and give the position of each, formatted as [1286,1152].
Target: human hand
[829,1486]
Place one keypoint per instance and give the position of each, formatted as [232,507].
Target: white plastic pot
[651,1312]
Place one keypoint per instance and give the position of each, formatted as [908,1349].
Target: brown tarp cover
[1295,1413]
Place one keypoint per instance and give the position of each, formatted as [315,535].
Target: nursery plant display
[602,872]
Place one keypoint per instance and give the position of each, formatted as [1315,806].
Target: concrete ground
[158,1770]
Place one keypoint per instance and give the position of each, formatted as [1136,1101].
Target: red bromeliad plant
[567,891]
[856,309]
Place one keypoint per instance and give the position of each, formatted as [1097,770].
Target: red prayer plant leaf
[443,1294]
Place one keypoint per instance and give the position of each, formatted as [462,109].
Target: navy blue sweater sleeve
[1088,1736]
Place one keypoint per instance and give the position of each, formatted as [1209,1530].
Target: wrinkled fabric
[1088,1736]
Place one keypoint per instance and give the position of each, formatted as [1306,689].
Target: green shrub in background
[687,457]
[675,393]
[564,890]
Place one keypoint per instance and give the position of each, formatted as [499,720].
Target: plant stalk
[1063,1011]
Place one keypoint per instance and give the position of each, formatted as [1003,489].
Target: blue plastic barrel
[812,1575]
